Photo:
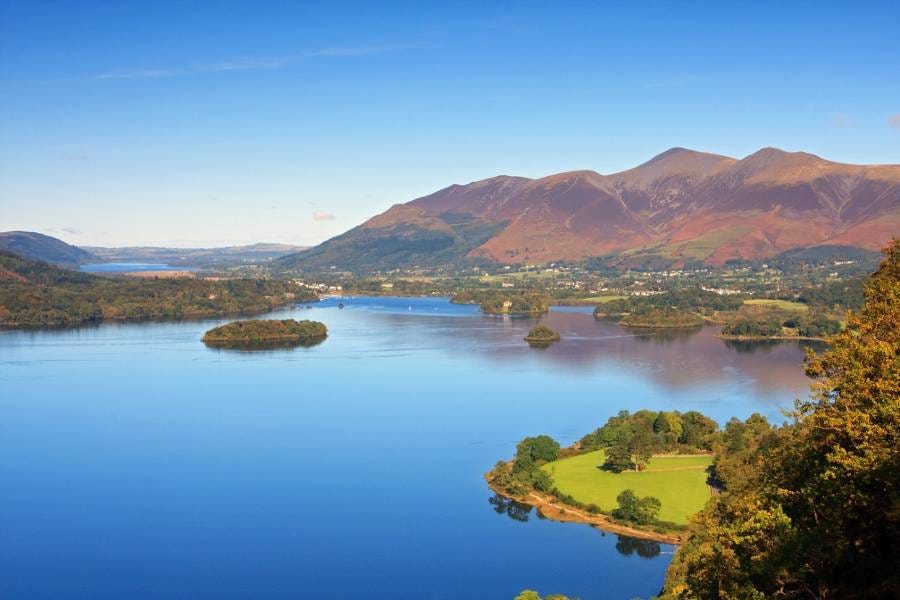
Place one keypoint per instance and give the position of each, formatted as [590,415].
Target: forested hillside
[36,294]
[812,509]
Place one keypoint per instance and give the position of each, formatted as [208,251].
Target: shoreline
[556,510]
[762,338]
[645,326]
[197,316]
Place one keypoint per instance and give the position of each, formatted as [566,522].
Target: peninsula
[642,474]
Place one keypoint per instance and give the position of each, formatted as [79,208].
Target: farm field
[782,304]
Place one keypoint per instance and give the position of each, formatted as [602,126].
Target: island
[260,333]
[541,336]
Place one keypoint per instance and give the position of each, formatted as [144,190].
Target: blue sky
[176,124]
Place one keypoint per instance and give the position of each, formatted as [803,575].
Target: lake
[130,267]
[136,462]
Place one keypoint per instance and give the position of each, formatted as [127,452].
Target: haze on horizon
[243,123]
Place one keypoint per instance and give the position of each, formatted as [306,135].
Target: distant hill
[197,257]
[37,246]
[680,207]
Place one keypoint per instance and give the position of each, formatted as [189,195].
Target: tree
[642,511]
[531,453]
[668,422]
[542,448]
[541,480]
[641,448]
[697,430]
[618,457]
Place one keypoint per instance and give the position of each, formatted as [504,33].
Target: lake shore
[556,510]
[762,338]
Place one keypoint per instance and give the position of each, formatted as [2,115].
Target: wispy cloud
[319,216]
[894,121]
[266,63]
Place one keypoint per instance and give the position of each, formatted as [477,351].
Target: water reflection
[625,546]
[676,359]
[643,548]
[767,346]
[509,507]
[666,336]
[259,347]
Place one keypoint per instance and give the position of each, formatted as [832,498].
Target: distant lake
[125,267]
[139,463]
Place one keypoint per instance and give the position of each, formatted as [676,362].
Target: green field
[604,299]
[678,481]
[782,304]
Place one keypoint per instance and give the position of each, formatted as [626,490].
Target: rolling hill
[37,246]
[680,207]
[220,257]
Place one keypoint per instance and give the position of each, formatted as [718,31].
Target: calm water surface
[138,463]
[130,267]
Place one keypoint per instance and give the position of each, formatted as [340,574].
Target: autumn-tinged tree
[812,509]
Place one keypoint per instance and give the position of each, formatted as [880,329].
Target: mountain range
[680,207]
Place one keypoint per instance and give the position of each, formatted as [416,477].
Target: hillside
[196,257]
[37,246]
[680,207]
[37,294]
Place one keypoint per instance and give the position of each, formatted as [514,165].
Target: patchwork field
[678,481]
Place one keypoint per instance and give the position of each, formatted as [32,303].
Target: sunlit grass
[678,481]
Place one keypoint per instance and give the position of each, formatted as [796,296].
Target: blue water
[138,463]
[130,267]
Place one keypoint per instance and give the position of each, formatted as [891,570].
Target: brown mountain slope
[680,206]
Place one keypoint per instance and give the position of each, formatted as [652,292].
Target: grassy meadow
[782,304]
[678,481]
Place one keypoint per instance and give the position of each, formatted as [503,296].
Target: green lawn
[604,299]
[678,481]
[782,304]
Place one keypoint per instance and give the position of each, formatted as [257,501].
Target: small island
[262,334]
[542,336]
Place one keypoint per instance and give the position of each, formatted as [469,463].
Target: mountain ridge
[37,246]
[681,206]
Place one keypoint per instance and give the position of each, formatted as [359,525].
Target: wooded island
[266,333]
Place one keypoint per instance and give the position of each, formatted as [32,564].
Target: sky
[208,124]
